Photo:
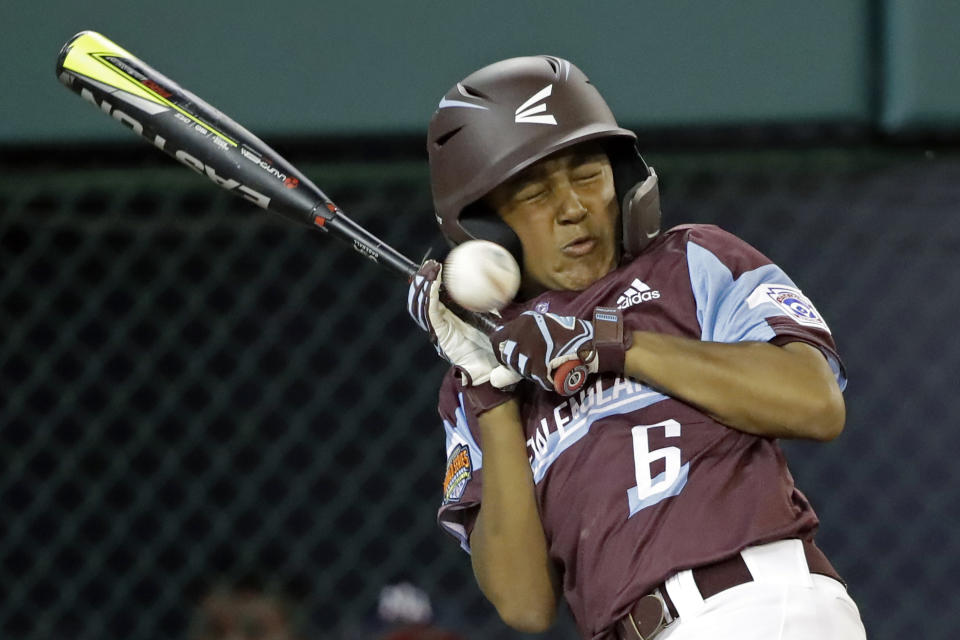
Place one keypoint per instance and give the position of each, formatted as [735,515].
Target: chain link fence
[194,393]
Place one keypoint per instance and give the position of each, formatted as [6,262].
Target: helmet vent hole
[471,92]
[554,64]
[442,140]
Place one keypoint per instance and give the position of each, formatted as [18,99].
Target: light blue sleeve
[460,474]
[737,309]
[459,434]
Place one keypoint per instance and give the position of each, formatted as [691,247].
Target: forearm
[508,546]
[756,387]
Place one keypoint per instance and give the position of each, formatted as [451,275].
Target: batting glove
[462,345]
[536,344]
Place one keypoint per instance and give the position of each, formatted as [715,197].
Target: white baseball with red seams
[481,275]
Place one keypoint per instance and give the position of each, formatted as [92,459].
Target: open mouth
[579,246]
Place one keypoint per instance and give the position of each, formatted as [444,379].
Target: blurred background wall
[198,399]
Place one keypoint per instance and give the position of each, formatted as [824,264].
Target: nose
[571,210]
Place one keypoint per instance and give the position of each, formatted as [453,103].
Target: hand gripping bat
[207,141]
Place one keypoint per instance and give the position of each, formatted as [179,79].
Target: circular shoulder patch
[791,302]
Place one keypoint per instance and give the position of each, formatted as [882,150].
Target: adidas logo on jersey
[638,292]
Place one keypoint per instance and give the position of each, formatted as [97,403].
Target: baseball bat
[209,142]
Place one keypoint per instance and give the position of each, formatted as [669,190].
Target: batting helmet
[510,114]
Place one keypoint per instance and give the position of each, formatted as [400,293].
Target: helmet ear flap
[640,215]
[483,224]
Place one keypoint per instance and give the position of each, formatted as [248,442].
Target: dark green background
[302,67]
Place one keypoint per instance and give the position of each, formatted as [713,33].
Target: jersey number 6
[670,482]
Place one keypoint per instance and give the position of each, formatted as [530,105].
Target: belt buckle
[653,616]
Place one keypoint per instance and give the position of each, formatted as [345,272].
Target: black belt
[654,611]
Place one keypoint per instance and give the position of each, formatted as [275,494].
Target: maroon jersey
[633,485]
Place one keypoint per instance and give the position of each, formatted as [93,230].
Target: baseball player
[656,501]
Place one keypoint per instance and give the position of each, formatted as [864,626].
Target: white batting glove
[462,345]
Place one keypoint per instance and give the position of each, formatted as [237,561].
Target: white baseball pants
[784,602]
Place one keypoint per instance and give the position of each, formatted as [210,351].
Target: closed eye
[583,179]
[532,195]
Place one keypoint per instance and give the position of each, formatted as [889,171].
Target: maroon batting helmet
[501,119]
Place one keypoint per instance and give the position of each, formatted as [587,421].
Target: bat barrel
[186,127]
[207,141]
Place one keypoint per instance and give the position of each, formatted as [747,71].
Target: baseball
[481,275]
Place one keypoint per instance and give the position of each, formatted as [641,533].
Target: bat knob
[570,377]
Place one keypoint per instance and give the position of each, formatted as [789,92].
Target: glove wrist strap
[610,341]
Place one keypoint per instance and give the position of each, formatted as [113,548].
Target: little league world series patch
[791,301]
[459,472]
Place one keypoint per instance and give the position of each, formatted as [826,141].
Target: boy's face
[564,210]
